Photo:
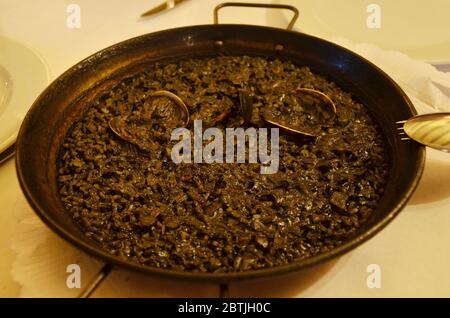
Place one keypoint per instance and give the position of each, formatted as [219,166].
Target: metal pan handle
[257,5]
[95,282]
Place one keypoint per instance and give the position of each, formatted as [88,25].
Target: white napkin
[428,88]
[42,256]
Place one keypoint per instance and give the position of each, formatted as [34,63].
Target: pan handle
[96,281]
[257,5]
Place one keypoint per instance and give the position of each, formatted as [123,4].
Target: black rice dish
[138,204]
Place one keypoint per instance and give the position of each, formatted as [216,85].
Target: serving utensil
[7,153]
[431,130]
[166,6]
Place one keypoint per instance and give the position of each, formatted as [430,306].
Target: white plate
[23,75]
[419,29]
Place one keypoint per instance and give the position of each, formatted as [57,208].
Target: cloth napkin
[425,85]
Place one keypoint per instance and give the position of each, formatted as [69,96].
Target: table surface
[413,251]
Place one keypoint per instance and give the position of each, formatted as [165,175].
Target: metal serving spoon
[432,130]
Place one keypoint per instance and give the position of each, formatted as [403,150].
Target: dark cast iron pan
[64,101]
